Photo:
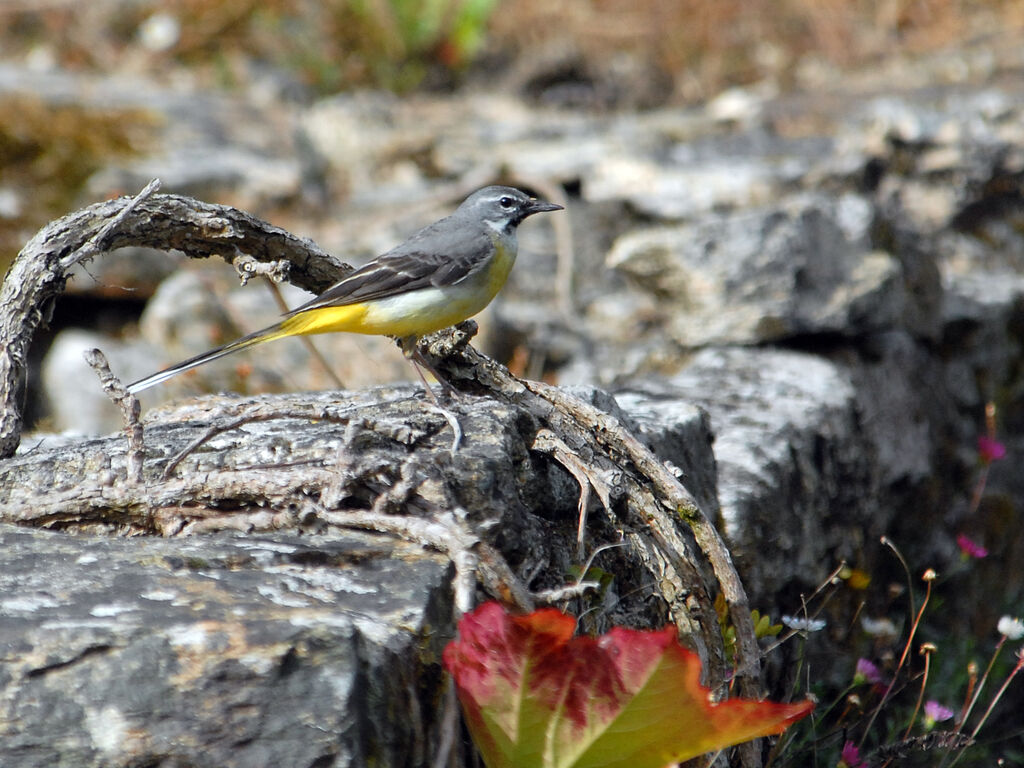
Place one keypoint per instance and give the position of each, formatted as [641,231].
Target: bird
[443,274]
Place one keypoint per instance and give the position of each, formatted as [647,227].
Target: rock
[229,650]
[740,105]
[681,192]
[278,637]
[206,144]
[702,174]
[797,483]
[767,275]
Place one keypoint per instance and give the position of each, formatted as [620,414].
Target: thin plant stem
[991,704]
[316,354]
[886,541]
[974,700]
[830,579]
[926,651]
[929,576]
[979,489]
[981,683]
[999,695]
[972,682]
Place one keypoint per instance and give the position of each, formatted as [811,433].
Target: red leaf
[535,696]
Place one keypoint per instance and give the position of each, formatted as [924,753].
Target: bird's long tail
[257,337]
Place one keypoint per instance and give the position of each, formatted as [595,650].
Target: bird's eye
[506,202]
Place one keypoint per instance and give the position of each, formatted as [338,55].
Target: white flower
[160,32]
[801,624]
[879,627]
[1011,627]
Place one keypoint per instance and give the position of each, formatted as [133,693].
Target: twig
[467,563]
[449,724]
[669,492]
[548,442]
[243,522]
[165,222]
[498,578]
[130,412]
[565,262]
[98,242]
[256,414]
[610,432]
[598,551]
[276,271]
[453,422]
[445,534]
[654,499]
[260,412]
[568,592]
[275,276]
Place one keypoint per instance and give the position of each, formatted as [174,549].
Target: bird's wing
[406,268]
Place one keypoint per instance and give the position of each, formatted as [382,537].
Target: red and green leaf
[535,696]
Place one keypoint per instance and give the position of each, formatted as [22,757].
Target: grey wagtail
[442,275]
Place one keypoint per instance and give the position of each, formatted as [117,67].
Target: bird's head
[503,208]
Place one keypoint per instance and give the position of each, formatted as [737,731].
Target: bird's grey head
[503,208]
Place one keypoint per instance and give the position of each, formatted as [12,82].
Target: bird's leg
[420,363]
[412,354]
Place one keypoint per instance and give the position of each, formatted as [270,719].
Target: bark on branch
[165,222]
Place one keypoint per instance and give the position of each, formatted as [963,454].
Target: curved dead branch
[165,222]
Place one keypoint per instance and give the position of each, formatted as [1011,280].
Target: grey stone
[208,142]
[766,275]
[277,638]
[227,650]
[796,476]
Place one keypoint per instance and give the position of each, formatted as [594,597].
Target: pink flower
[935,713]
[970,548]
[990,449]
[866,672]
[850,757]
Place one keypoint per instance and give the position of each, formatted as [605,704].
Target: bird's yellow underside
[408,314]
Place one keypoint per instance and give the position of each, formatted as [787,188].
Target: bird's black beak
[540,206]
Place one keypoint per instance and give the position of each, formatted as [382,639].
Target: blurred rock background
[353,123]
[805,217]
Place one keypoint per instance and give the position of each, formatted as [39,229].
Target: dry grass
[707,45]
[47,152]
[702,45]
